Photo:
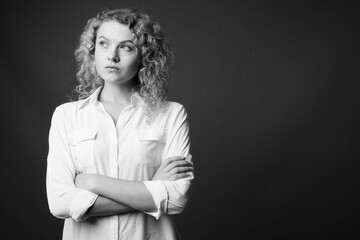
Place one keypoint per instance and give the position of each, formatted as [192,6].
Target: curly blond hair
[149,39]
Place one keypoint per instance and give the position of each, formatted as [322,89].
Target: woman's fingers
[177,163]
[179,176]
[163,171]
[172,160]
[174,168]
[181,170]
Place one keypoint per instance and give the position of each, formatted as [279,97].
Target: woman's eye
[127,48]
[103,44]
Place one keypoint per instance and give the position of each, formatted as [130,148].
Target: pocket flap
[151,134]
[82,134]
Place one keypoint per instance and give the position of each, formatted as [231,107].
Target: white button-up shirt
[83,138]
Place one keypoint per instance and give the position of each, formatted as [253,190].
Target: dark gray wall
[272,91]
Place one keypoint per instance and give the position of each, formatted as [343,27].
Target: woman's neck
[116,93]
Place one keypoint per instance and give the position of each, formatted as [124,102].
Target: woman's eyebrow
[101,36]
[124,41]
[128,41]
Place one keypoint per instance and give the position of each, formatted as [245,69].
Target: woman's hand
[174,168]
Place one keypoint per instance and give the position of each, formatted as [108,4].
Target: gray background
[272,92]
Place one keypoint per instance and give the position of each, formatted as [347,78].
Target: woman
[119,161]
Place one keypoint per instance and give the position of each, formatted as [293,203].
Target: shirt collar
[135,99]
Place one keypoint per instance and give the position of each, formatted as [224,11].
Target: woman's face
[116,58]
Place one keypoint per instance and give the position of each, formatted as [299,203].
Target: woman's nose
[113,56]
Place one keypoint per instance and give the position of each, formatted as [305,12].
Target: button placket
[114,220]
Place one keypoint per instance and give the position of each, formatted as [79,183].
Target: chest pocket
[82,141]
[151,143]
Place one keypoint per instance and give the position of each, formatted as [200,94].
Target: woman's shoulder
[174,106]
[173,109]
[70,112]
[70,107]
[173,103]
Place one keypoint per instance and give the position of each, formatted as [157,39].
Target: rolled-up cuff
[81,203]
[160,196]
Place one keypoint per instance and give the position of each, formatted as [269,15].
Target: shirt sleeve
[64,199]
[171,197]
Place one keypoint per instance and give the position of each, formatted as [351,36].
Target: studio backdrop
[272,93]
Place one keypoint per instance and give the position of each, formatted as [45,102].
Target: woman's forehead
[112,29]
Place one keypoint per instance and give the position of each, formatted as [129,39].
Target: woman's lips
[112,68]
